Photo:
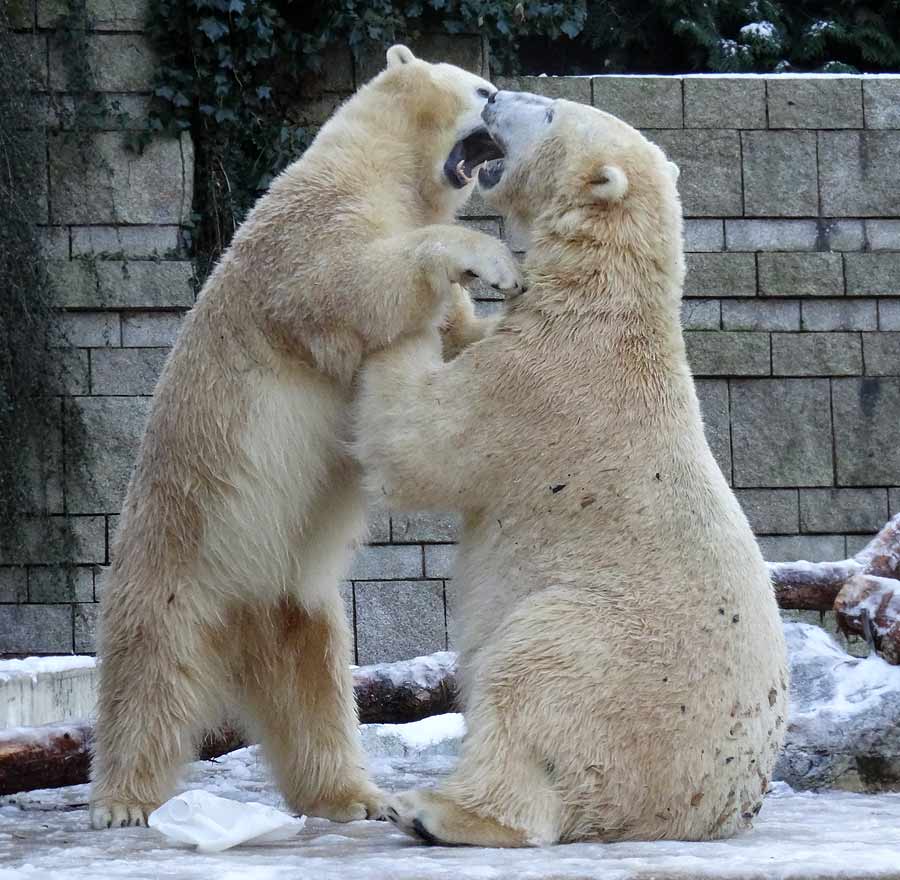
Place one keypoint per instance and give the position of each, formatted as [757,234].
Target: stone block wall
[791,190]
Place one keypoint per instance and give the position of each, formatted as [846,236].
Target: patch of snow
[436,735]
[819,27]
[35,666]
[760,30]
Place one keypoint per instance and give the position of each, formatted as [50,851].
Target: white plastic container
[215,824]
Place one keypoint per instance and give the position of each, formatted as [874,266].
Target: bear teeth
[461,171]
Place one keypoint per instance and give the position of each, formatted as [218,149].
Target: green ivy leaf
[213,29]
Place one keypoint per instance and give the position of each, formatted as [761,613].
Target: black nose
[492,98]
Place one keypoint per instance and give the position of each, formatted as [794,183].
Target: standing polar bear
[623,669]
[244,503]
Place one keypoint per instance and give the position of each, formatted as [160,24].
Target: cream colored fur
[623,669]
[223,592]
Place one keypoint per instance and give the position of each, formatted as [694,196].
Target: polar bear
[244,503]
[623,669]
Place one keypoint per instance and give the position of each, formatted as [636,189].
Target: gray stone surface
[85,627]
[150,328]
[808,102]
[106,112]
[865,430]
[570,88]
[105,183]
[642,101]
[439,559]
[720,353]
[812,548]
[816,354]
[780,173]
[126,371]
[889,314]
[59,583]
[53,242]
[55,539]
[128,284]
[838,314]
[843,510]
[13,584]
[90,329]
[710,275]
[710,101]
[781,433]
[800,275]
[873,274]
[771,235]
[894,499]
[122,242]
[31,52]
[399,619]
[427,527]
[881,100]
[881,352]
[859,175]
[102,439]
[35,629]
[841,235]
[883,235]
[770,511]
[103,15]
[713,397]
[700,314]
[710,163]
[118,63]
[43,465]
[703,235]
[750,314]
[378,522]
[67,371]
[387,562]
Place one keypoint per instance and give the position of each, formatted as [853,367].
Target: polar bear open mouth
[467,154]
[490,173]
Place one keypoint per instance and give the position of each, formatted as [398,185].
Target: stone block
[865,431]
[101,112]
[771,235]
[378,524]
[439,560]
[150,329]
[780,173]
[110,284]
[30,54]
[90,329]
[881,101]
[710,100]
[744,314]
[843,510]
[881,352]
[463,50]
[713,397]
[889,314]
[883,235]
[102,439]
[13,584]
[53,242]
[118,63]
[859,175]
[855,543]
[719,353]
[800,275]
[29,180]
[85,627]
[703,235]
[35,629]
[125,242]
[642,101]
[700,314]
[781,433]
[894,499]
[105,183]
[710,163]
[44,540]
[811,548]
[719,275]
[570,88]
[436,528]
[102,15]
[816,354]
[488,308]
[43,465]
[387,562]
[20,14]
[838,314]
[57,583]
[815,102]
[67,371]
[770,511]
[841,235]
[126,371]
[396,620]
[872,274]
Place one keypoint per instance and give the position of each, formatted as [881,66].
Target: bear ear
[674,170]
[398,55]
[609,184]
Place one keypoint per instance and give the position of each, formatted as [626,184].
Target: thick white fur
[623,668]
[223,592]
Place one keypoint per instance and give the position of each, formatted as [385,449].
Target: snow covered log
[59,754]
[864,590]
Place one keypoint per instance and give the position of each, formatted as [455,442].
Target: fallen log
[55,755]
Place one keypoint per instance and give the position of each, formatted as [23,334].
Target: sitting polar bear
[623,670]
[223,592]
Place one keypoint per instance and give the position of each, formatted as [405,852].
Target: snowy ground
[44,835]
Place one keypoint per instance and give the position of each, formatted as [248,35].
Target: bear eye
[483,93]
[549,117]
